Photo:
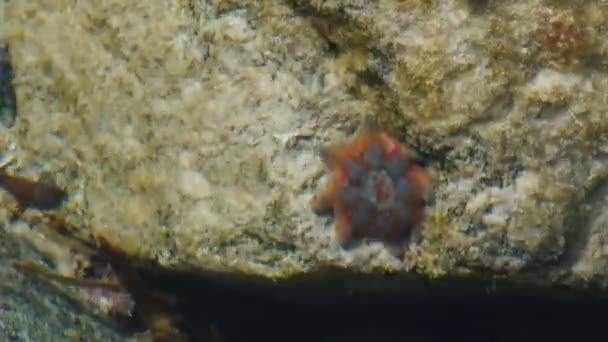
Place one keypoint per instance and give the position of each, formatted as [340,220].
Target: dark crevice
[337,305]
[578,224]
[479,6]
[8,101]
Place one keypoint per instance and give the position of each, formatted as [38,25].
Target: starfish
[376,190]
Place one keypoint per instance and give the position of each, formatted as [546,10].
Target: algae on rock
[183,132]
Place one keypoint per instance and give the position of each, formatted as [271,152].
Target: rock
[187,133]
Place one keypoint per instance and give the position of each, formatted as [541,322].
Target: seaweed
[30,193]
[109,275]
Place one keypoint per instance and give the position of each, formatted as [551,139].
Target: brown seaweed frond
[42,272]
[154,309]
[57,229]
[114,277]
[31,194]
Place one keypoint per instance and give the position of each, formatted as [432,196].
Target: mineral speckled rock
[189,134]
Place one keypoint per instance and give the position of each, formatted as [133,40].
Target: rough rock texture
[187,131]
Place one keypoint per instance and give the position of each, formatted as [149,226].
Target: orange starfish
[376,190]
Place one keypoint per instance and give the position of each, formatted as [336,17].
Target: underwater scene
[303,170]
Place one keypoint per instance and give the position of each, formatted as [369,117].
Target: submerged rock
[188,134]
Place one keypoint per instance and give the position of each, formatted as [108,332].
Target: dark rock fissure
[8,101]
[336,305]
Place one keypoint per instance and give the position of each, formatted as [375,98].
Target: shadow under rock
[336,305]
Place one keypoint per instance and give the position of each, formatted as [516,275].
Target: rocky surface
[187,133]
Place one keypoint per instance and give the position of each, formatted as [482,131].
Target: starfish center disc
[380,190]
